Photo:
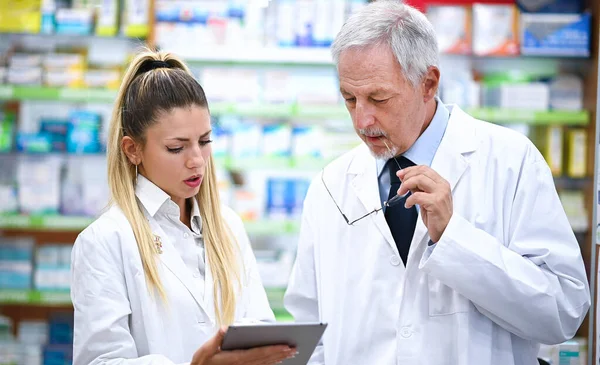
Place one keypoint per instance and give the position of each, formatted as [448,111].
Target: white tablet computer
[303,336]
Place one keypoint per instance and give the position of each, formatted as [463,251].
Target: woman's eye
[204,143]
[175,150]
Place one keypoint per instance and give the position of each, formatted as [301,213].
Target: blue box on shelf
[556,34]
[277,198]
[550,6]
[16,277]
[34,142]
[60,328]
[83,135]
[58,354]
[285,196]
[57,130]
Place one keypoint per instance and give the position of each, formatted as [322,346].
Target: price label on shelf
[55,297]
[14,296]
[61,222]
[87,95]
[14,221]
[6,92]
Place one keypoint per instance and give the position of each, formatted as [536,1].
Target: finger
[417,183]
[269,354]
[280,355]
[408,172]
[420,198]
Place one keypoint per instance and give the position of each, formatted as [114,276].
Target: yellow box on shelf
[136,18]
[550,141]
[20,16]
[107,19]
[576,152]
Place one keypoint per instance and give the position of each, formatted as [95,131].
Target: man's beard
[386,154]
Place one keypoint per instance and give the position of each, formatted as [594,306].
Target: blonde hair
[155,83]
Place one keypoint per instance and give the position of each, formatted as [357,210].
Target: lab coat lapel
[366,187]
[208,289]
[450,161]
[173,261]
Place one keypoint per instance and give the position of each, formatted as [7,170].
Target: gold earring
[136,173]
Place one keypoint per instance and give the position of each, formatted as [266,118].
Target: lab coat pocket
[445,301]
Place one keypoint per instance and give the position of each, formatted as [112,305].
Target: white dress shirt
[188,242]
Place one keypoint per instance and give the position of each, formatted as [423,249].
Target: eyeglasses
[349,222]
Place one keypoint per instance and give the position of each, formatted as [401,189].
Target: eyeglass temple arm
[334,202]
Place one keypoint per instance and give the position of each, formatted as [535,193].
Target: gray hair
[406,30]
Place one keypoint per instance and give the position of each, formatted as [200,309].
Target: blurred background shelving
[277,114]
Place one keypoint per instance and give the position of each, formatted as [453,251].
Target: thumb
[210,348]
[220,335]
[214,344]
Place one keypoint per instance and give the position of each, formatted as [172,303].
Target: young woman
[157,274]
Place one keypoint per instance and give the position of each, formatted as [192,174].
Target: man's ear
[132,150]
[430,84]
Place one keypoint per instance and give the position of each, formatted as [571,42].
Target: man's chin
[381,153]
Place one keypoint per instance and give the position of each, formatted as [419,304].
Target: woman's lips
[193,182]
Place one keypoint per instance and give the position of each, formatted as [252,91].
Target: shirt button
[185,235]
[405,332]
[394,260]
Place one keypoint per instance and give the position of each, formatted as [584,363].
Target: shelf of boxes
[291,111]
[298,56]
[63,298]
[73,223]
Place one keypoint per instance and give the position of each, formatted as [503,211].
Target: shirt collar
[154,198]
[151,196]
[425,147]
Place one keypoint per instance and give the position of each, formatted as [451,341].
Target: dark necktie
[401,221]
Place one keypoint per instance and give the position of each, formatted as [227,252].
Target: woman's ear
[132,150]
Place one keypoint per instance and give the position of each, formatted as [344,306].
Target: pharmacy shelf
[35,297]
[511,116]
[73,223]
[573,183]
[44,222]
[271,163]
[63,299]
[288,111]
[272,227]
[275,297]
[307,56]
[13,92]
[280,111]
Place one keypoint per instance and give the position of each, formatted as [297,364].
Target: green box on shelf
[7,126]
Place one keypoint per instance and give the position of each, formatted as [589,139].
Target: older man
[472,263]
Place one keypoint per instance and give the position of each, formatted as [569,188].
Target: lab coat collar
[196,219]
[450,161]
[172,261]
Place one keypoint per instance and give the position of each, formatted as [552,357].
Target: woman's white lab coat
[117,320]
[506,275]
